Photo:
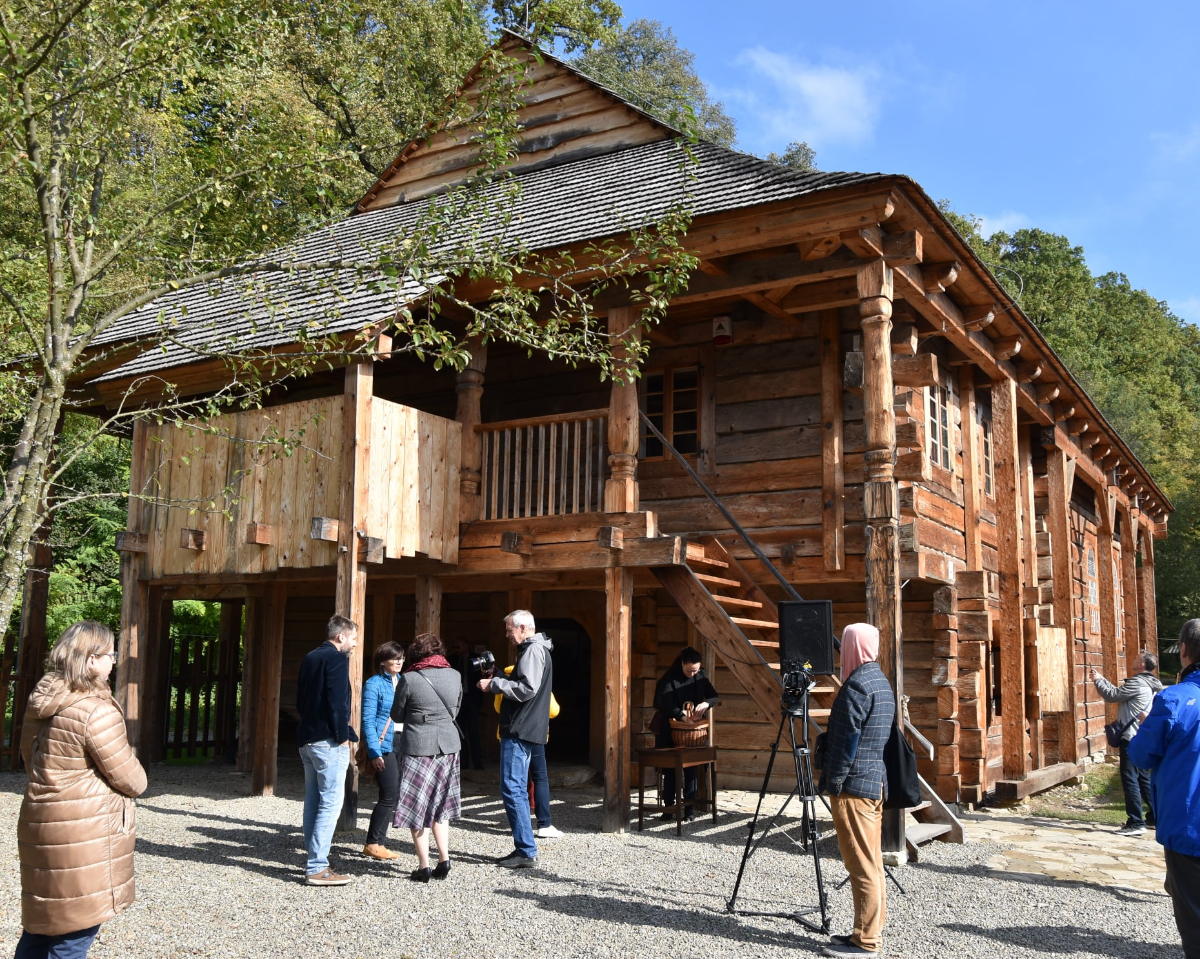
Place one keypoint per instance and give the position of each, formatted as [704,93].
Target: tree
[645,63]
[148,149]
[797,155]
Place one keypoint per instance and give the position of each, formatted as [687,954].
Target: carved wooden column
[1060,474]
[621,490]
[1008,560]
[469,386]
[351,600]
[880,498]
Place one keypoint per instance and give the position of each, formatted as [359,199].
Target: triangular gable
[567,116]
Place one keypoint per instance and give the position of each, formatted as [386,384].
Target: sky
[1077,118]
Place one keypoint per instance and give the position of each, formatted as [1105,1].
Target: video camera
[797,680]
[485,662]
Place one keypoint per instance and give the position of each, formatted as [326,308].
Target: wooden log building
[874,409]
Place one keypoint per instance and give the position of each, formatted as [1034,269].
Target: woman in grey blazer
[427,700]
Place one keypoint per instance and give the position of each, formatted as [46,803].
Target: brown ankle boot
[376,851]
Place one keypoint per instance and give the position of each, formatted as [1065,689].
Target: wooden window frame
[986,457]
[668,372]
[940,401]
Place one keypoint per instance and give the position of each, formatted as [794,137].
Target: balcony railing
[544,466]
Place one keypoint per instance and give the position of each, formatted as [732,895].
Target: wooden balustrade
[544,466]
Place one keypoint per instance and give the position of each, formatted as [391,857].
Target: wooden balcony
[238,494]
[543,466]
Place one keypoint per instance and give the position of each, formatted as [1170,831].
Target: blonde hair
[78,643]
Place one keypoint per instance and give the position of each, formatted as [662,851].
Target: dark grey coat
[429,728]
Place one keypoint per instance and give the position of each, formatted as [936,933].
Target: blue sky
[1078,118]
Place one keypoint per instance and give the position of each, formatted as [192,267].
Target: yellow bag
[500,698]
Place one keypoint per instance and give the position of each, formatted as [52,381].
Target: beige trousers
[859,824]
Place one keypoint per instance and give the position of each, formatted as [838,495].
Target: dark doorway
[569,733]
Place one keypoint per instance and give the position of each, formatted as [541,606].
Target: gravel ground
[219,874]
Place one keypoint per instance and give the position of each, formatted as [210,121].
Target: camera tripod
[806,791]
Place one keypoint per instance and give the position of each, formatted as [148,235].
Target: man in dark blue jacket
[1168,744]
[324,735]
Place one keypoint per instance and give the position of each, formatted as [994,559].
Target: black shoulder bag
[900,767]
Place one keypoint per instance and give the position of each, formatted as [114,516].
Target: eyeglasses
[112,653]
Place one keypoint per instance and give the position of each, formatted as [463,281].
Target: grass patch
[1097,798]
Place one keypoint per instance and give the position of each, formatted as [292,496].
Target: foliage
[572,24]
[797,155]
[148,149]
[645,63]
[1138,361]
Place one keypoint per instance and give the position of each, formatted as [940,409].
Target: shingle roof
[589,199]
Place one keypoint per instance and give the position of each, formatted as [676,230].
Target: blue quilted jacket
[859,725]
[376,711]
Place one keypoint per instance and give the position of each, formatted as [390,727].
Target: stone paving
[1064,849]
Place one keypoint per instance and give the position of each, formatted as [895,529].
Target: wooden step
[696,554]
[753,623]
[916,809]
[715,580]
[919,833]
[737,601]
[763,643]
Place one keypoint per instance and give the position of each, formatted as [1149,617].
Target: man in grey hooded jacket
[1135,696]
[524,722]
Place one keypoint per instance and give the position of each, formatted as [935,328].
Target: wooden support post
[228,647]
[618,586]
[621,489]
[833,493]
[156,697]
[469,386]
[132,667]
[880,499]
[270,671]
[1029,577]
[1059,521]
[1147,611]
[429,604]
[1108,597]
[971,458]
[351,599]
[1008,561]
[384,630]
[1133,600]
[252,641]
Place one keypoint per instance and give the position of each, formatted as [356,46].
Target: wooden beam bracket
[611,537]
[325,529]
[192,539]
[128,542]
[259,534]
[514,542]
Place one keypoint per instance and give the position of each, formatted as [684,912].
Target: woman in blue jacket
[378,736]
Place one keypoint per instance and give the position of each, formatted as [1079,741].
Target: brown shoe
[326,877]
[376,851]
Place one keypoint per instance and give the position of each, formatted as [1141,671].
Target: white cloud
[1007,222]
[822,105]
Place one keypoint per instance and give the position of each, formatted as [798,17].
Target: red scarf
[429,662]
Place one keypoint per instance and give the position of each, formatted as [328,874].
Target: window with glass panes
[989,474]
[941,418]
[671,399]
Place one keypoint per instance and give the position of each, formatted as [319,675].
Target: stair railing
[737,527]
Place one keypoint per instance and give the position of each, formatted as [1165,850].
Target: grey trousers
[1183,885]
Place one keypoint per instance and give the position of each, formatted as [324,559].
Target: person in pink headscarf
[853,774]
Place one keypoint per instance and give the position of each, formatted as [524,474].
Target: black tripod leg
[762,793]
[806,778]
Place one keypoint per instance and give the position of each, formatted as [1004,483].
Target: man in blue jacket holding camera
[1168,744]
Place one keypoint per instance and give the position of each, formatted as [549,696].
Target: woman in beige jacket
[75,833]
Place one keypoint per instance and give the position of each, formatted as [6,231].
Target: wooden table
[677,758]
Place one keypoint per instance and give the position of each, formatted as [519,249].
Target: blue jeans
[70,945]
[514,790]
[541,782]
[325,765]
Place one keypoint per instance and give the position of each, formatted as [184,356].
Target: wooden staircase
[729,609]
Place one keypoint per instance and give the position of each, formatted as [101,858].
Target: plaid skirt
[429,791]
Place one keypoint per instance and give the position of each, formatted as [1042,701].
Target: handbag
[1115,732]
[900,766]
[362,755]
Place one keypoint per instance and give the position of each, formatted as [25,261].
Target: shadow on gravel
[722,924]
[1069,940]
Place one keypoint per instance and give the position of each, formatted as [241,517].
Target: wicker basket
[687,734]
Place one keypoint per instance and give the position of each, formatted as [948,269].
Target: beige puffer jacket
[75,834]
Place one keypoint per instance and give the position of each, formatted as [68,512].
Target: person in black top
[685,682]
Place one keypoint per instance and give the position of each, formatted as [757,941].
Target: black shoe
[515,860]
[441,870]
[420,875]
[689,813]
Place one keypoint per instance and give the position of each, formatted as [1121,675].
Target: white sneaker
[1131,830]
[548,832]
